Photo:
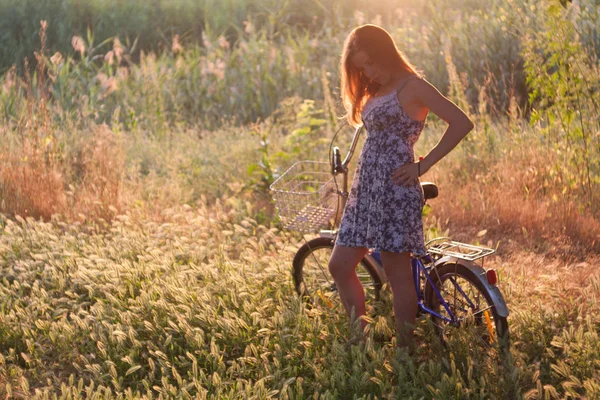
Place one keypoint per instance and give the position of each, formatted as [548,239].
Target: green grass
[276,55]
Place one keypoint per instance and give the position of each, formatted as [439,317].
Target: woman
[383,91]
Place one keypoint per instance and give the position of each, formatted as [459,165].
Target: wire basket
[306,196]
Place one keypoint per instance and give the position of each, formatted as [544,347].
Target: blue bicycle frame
[420,272]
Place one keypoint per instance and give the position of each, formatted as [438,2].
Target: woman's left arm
[458,127]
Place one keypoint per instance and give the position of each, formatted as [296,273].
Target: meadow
[140,252]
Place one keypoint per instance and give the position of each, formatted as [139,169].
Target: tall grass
[202,305]
[138,252]
[563,70]
[267,48]
[44,171]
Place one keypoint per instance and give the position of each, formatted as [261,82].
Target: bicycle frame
[420,274]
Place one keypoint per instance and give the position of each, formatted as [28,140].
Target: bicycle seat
[430,190]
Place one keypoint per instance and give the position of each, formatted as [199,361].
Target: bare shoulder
[421,91]
[410,99]
[429,96]
[423,87]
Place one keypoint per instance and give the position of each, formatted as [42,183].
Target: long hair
[356,88]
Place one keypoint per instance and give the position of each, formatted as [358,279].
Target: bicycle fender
[495,294]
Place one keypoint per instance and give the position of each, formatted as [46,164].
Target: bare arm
[458,127]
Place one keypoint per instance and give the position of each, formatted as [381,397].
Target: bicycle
[454,290]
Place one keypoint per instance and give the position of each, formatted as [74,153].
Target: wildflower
[214,68]
[118,50]
[78,44]
[248,27]
[176,46]
[107,84]
[220,69]
[148,63]
[56,59]
[110,86]
[101,77]
[223,43]
[122,73]
[109,57]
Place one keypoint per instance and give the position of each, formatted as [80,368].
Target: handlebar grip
[337,160]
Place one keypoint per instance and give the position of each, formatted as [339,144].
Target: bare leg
[399,273]
[342,267]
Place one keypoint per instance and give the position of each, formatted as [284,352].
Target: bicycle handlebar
[352,146]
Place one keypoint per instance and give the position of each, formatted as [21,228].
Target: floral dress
[379,213]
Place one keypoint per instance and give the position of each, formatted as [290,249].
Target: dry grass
[83,185]
[518,200]
[28,187]
[100,166]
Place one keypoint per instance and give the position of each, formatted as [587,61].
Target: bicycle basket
[306,197]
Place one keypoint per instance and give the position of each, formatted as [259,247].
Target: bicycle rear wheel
[315,284]
[472,311]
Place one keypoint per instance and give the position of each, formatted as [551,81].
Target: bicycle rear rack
[460,250]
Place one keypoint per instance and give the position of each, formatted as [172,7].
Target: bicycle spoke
[323,272]
[483,310]
[458,288]
[478,337]
[316,283]
[470,312]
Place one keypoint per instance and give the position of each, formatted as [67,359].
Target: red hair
[356,88]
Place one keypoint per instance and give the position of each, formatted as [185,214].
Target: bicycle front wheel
[315,284]
[474,320]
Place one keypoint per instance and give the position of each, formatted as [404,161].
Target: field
[140,252]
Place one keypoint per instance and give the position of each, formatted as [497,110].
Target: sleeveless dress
[379,213]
